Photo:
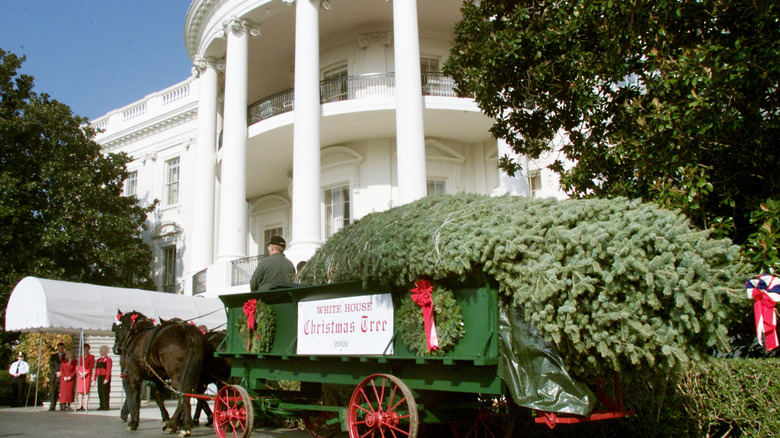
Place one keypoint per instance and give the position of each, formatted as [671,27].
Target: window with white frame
[168,283]
[535,183]
[334,82]
[435,187]
[172,181]
[131,183]
[333,71]
[429,64]
[268,233]
[336,208]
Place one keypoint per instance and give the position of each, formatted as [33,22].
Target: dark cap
[277,240]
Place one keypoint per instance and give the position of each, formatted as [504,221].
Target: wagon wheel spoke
[233,413]
[386,410]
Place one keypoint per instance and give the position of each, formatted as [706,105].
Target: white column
[202,238]
[410,133]
[233,211]
[306,229]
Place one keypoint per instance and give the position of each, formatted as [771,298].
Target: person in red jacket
[84,365]
[67,381]
[103,377]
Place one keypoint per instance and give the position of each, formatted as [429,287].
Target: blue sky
[97,55]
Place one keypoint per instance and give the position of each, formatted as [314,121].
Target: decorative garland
[410,324]
[259,332]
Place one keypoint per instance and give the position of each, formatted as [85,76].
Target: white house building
[301,117]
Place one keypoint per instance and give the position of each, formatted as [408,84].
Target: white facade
[301,117]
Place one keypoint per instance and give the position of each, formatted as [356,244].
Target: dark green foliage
[666,101]
[410,326]
[734,396]
[62,213]
[724,398]
[261,339]
[614,284]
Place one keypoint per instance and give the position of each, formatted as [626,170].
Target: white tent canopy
[41,305]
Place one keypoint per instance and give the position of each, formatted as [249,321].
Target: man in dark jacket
[54,376]
[274,269]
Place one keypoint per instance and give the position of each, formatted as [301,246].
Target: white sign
[346,326]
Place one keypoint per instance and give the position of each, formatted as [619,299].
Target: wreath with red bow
[445,314]
[257,332]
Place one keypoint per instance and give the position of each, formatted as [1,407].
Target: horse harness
[129,342]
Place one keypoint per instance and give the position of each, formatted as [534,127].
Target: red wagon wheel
[234,415]
[382,406]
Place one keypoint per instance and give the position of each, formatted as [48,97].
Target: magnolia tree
[671,102]
[62,212]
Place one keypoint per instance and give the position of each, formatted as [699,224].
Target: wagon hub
[379,419]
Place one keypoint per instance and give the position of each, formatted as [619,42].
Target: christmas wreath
[445,321]
[258,332]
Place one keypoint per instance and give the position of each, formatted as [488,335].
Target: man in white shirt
[19,371]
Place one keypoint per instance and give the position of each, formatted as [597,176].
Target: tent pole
[81,367]
[38,372]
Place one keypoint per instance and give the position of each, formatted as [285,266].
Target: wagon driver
[274,269]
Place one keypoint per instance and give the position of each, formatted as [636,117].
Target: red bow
[766,321]
[422,296]
[249,310]
[133,317]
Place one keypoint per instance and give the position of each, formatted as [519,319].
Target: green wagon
[341,335]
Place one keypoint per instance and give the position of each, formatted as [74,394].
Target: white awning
[41,305]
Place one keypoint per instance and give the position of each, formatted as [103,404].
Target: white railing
[176,94]
[154,105]
[349,88]
[242,269]
[199,282]
[101,125]
[134,112]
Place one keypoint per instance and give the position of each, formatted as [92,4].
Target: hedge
[723,398]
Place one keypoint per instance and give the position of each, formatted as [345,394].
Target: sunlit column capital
[199,64]
[238,25]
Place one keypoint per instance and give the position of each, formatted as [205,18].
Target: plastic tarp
[41,305]
[533,369]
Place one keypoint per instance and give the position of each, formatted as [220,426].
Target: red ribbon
[766,323]
[133,317]
[249,311]
[421,295]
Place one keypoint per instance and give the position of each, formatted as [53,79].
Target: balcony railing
[199,282]
[165,102]
[271,106]
[241,270]
[349,88]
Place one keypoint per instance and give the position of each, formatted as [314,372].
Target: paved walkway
[40,422]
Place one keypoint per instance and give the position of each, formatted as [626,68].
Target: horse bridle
[127,343]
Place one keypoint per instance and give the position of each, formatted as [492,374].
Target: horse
[215,369]
[156,352]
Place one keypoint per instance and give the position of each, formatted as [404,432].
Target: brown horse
[215,369]
[155,353]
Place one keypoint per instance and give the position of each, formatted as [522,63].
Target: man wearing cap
[18,371]
[274,269]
